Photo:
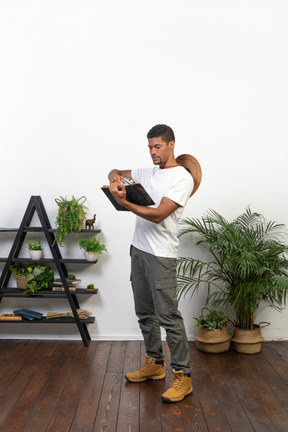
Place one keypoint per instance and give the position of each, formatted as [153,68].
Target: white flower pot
[90,256]
[35,254]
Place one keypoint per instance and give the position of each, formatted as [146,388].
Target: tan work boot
[149,371]
[180,388]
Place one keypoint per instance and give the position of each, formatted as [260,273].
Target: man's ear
[171,145]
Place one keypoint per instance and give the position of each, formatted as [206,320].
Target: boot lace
[145,366]
[178,382]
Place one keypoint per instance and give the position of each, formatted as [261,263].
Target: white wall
[81,84]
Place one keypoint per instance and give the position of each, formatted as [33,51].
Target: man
[153,260]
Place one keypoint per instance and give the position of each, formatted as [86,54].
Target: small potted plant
[90,288]
[92,248]
[20,273]
[35,249]
[32,278]
[213,335]
[70,217]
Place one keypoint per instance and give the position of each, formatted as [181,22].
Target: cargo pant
[154,287]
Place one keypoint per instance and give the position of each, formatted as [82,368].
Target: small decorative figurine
[90,223]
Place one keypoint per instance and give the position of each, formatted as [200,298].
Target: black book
[135,194]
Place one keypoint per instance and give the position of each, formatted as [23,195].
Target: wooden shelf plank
[15,292]
[52,230]
[64,320]
[51,260]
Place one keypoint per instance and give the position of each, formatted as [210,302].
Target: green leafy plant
[37,276]
[19,269]
[71,277]
[34,245]
[213,320]
[90,287]
[92,245]
[70,217]
[248,267]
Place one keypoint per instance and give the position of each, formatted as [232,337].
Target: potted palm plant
[92,248]
[248,267]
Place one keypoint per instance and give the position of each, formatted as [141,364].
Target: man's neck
[170,163]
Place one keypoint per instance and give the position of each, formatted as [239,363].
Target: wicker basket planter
[21,282]
[213,341]
[248,341]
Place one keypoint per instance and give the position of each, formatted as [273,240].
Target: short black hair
[163,131]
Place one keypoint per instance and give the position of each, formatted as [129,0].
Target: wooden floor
[63,386]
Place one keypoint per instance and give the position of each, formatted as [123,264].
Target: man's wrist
[114,173]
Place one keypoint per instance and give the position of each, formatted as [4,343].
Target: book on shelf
[135,193]
[61,288]
[10,317]
[69,281]
[28,314]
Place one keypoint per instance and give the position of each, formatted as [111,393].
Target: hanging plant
[70,217]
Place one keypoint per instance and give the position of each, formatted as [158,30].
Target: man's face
[159,150]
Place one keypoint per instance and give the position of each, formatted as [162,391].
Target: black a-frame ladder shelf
[36,205]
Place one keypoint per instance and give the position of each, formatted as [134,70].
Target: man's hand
[117,176]
[118,191]
[152,214]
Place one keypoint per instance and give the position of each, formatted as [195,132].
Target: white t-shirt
[174,183]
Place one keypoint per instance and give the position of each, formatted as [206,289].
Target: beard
[157,160]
